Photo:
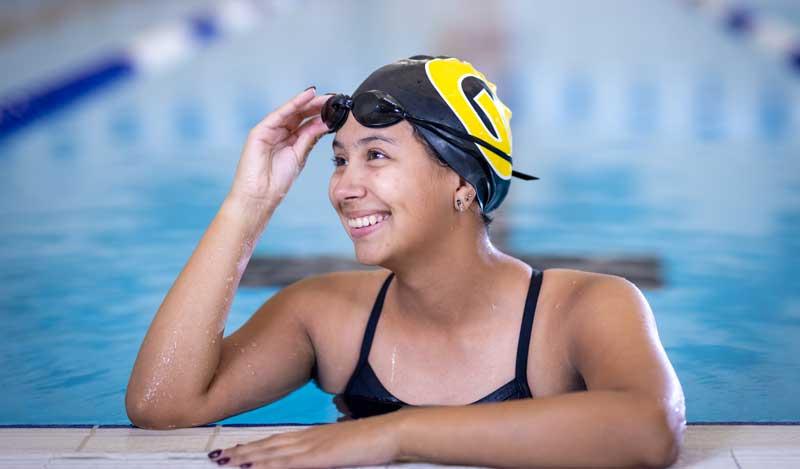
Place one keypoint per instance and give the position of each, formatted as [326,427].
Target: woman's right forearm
[182,347]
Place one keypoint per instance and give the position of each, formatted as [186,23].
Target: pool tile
[135,440]
[119,460]
[705,458]
[730,436]
[30,461]
[41,440]
[227,437]
[768,458]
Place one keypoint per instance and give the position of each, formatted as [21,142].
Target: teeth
[366,221]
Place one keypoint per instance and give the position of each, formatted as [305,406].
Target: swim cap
[453,93]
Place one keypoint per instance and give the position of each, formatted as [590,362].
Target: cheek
[331,185]
[415,198]
[390,186]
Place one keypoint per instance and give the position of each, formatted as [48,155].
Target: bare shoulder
[334,292]
[591,296]
[574,279]
[614,341]
[335,309]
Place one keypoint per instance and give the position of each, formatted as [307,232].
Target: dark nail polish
[223,461]
[312,86]
[214,453]
[246,465]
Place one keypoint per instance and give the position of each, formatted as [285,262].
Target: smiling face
[393,199]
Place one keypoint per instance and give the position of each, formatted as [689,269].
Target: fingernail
[246,465]
[312,86]
[223,461]
[214,453]
[331,94]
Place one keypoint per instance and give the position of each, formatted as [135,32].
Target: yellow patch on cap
[446,76]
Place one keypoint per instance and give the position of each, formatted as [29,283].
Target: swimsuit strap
[366,343]
[524,335]
[527,325]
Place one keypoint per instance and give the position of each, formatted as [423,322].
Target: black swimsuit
[365,396]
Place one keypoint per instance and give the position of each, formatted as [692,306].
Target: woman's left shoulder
[581,282]
[573,283]
[594,294]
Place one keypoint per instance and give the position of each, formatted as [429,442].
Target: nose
[348,183]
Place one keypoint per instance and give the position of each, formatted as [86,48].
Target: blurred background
[665,134]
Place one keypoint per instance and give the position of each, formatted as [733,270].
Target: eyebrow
[365,140]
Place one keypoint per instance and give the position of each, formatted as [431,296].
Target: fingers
[267,450]
[276,117]
[283,121]
[305,104]
[312,108]
[307,136]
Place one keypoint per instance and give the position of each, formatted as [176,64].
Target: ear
[464,195]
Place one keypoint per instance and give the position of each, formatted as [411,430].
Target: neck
[446,284]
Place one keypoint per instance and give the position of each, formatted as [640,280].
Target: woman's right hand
[277,148]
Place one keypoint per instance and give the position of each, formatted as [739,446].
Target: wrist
[252,212]
[399,425]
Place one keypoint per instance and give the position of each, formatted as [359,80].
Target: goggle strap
[523,176]
[439,128]
[466,136]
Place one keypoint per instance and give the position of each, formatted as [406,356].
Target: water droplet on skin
[394,363]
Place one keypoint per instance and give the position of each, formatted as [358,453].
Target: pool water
[697,165]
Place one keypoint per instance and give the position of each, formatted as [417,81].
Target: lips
[356,232]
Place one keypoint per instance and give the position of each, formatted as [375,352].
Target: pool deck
[706,446]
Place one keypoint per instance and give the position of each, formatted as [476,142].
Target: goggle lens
[371,109]
[334,112]
[376,109]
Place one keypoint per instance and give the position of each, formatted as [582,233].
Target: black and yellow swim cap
[453,93]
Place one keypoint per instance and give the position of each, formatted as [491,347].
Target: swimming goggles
[375,109]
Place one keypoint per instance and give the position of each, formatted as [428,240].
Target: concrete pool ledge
[711,446]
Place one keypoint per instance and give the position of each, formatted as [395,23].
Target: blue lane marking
[748,22]
[19,110]
[16,113]
[204,28]
[739,20]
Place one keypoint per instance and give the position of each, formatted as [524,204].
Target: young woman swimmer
[453,352]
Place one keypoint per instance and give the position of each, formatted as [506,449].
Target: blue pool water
[695,163]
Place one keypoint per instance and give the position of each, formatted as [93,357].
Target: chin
[370,255]
[368,258]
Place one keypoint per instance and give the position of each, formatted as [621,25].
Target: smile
[362,226]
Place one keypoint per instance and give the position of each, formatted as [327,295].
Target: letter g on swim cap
[453,93]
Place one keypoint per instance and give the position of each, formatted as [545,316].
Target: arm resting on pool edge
[586,428]
[631,414]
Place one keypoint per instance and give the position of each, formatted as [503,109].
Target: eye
[337,161]
[372,153]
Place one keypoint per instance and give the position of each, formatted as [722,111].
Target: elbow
[143,416]
[147,416]
[667,429]
[153,420]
